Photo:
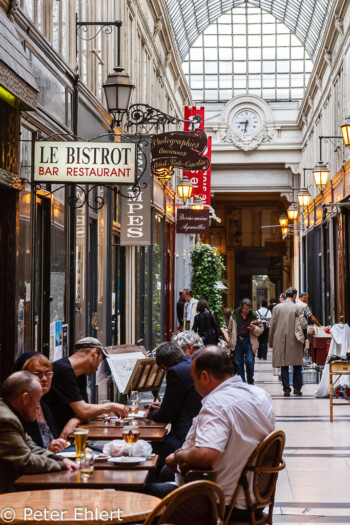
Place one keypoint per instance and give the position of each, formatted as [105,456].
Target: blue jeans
[297,378]
[263,339]
[243,353]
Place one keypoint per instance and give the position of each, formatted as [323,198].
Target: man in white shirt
[235,417]
[190,310]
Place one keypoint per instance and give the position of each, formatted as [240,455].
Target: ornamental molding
[294,168]
[15,85]
[288,195]
[247,143]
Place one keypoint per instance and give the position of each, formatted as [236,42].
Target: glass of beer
[87,466]
[131,434]
[80,438]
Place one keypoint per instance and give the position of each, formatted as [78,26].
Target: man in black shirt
[180,309]
[67,397]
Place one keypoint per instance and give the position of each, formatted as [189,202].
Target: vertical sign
[201,180]
[136,224]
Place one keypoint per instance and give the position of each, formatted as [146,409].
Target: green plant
[207,268]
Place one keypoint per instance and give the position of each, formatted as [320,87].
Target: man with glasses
[68,397]
[244,329]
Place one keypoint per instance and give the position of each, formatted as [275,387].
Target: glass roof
[247,50]
[305,18]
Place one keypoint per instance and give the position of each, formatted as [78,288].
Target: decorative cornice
[248,143]
[20,89]
[295,168]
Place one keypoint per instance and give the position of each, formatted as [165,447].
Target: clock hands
[245,122]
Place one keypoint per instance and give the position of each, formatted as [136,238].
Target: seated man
[67,397]
[21,393]
[181,403]
[188,341]
[234,419]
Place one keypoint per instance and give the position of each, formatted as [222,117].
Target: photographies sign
[180,149]
[192,221]
[85,162]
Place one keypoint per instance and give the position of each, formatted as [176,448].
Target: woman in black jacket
[205,323]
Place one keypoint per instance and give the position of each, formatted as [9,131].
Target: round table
[71,506]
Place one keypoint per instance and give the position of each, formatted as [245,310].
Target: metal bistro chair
[259,478]
[196,503]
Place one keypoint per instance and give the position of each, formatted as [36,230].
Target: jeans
[243,353]
[297,378]
[263,339]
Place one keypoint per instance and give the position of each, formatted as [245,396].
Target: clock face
[247,122]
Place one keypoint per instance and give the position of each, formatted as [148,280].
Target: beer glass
[87,466]
[131,434]
[80,438]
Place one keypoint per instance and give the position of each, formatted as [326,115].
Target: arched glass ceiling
[305,18]
[247,51]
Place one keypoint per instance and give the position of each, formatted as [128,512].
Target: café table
[109,432]
[117,423]
[149,464]
[131,479]
[90,506]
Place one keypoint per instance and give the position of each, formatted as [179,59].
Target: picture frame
[217,239]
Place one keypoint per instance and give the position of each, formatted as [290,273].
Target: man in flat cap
[67,397]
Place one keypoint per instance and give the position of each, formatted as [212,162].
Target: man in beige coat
[287,349]
[244,329]
[18,453]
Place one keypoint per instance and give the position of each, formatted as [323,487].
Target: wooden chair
[259,478]
[196,503]
[198,474]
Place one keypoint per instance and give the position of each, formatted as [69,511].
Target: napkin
[118,447]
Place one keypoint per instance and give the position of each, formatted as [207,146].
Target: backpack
[264,320]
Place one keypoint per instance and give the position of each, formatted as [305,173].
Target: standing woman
[206,324]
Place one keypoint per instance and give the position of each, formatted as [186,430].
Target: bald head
[215,361]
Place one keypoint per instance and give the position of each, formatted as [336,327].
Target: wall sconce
[345,129]
[284,230]
[321,175]
[304,197]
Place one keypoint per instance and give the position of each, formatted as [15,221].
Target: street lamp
[283,220]
[184,188]
[118,89]
[321,175]
[285,230]
[292,212]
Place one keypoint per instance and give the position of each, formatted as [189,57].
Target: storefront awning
[16,74]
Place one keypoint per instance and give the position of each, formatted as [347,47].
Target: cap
[90,342]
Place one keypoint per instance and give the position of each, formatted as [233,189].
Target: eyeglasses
[40,375]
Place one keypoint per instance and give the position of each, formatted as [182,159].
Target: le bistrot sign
[85,162]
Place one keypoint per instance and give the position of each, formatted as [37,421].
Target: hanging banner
[189,113]
[192,221]
[85,162]
[200,179]
[135,222]
[180,149]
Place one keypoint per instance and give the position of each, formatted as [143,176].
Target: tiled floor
[315,487]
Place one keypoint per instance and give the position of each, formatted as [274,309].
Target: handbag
[298,330]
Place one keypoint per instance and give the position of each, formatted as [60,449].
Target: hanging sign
[85,162]
[201,180]
[180,149]
[192,221]
[135,222]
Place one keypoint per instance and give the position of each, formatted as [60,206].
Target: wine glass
[134,402]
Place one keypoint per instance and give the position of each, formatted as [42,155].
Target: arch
[305,19]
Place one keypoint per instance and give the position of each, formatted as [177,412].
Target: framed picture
[217,239]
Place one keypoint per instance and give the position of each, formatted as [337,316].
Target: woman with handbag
[206,324]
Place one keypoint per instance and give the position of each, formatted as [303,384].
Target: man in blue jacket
[181,403]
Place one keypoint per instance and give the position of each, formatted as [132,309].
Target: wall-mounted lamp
[292,212]
[321,175]
[345,129]
[283,220]
[184,188]
[304,197]
[285,230]
[197,204]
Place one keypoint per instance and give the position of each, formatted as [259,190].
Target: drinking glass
[80,438]
[131,434]
[87,466]
[134,402]
[105,415]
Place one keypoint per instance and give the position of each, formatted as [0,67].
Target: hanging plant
[207,268]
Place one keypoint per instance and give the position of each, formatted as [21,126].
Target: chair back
[196,503]
[259,478]
[198,474]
